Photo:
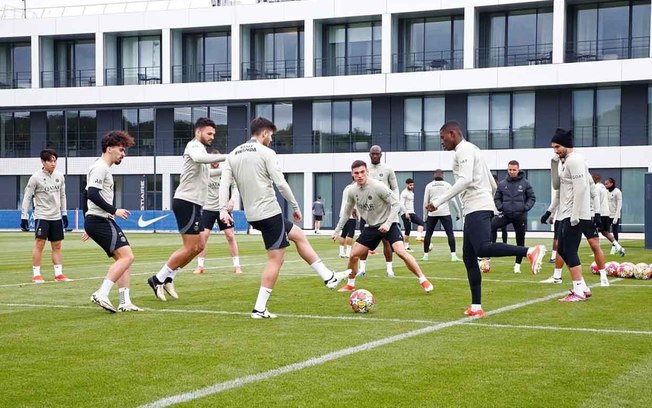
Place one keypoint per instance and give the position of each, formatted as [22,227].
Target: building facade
[336,77]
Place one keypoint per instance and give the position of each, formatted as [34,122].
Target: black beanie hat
[563,137]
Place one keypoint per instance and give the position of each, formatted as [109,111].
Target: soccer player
[434,189]
[514,197]
[348,231]
[476,187]
[410,216]
[48,189]
[379,206]
[318,213]
[189,198]
[253,166]
[615,207]
[100,226]
[605,212]
[210,214]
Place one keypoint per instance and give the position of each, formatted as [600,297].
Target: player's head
[596,178]
[205,130]
[318,197]
[513,168]
[375,153]
[114,144]
[359,172]
[409,184]
[263,129]
[49,159]
[562,142]
[214,165]
[610,183]
[451,135]
[438,175]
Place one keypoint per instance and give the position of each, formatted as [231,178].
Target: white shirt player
[194,175]
[49,192]
[435,189]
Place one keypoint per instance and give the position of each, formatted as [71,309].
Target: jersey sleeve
[30,188]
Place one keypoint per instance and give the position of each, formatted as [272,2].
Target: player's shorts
[48,230]
[588,229]
[188,216]
[606,223]
[275,231]
[208,219]
[371,237]
[318,217]
[106,233]
[349,229]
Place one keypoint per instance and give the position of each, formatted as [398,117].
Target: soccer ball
[594,268]
[362,301]
[641,270]
[648,275]
[485,265]
[626,270]
[612,268]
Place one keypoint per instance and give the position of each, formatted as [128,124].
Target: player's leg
[124,283]
[520,226]
[229,234]
[55,236]
[431,222]
[201,257]
[569,242]
[407,225]
[368,240]
[470,258]
[37,253]
[447,223]
[387,251]
[393,236]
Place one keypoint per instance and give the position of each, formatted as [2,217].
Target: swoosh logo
[142,223]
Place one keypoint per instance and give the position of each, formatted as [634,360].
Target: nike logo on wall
[142,223]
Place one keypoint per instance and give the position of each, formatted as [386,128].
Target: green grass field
[414,350]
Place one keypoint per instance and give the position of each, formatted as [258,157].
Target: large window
[423,119]
[275,53]
[140,124]
[281,114]
[206,58]
[15,65]
[341,126]
[596,117]
[522,37]
[501,120]
[184,126]
[350,49]
[649,115]
[324,188]
[72,133]
[431,43]
[139,61]
[633,189]
[610,30]
[74,64]
[15,134]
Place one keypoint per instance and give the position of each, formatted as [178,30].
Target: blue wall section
[137,221]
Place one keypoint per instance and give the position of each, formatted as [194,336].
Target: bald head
[375,153]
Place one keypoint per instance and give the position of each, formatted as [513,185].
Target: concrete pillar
[558,31]
[469,36]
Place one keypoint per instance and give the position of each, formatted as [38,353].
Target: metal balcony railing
[512,138]
[133,76]
[359,65]
[71,78]
[599,50]
[201,73]
[533,54]
[341,142]
[272,69]
[428,61]
[15,80]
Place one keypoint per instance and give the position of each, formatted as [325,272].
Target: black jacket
[514,196]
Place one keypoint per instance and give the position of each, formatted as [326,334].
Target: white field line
[557,328]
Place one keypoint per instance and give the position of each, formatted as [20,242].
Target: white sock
[557,273]
[173,274]
[342,250]
[263,296]
[475,307]
[351,282]
[407,245]
[453,254]
[584,287]
[617,245]
[517,267]
[362,266]
[578,288]
[106,287]
[200,261]
[553,254]
[422,278]
[389,267]
[58,270]
[163,274]
[123,293]
[236,261]
[603,273]
[322,270]
[36,270]
[348,250]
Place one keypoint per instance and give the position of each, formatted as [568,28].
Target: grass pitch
[414,350]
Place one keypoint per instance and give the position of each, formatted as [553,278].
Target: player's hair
[358,163]
[613,182]
[408,181]
[451,125]
[513,163]
[116,138]
[48,154]
[203,122]
[259,124]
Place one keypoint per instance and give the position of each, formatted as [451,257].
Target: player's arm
[30,188]
[214,172]
[577,172]
[198,154]
[465,161]
[530,197]
[457,205]
[62,197]
[226,179]
[426,200]
[619,205]
[390,198]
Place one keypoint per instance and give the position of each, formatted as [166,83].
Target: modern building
[336,76]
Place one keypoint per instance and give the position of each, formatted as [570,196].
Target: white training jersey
[375,202]
[604,199]
[574,192]
[473,180]
[436,189]
[615,203]
[49,192]
[384,174]
[99,176]
[194,174]
[255,169]
[407,200]
[213,195]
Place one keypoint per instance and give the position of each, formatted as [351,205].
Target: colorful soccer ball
[485,265]
[362,301]
[626,270]
[594,268]
[612,268]
[641,270]
[648,275]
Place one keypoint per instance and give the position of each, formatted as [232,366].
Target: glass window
[281,115]
[583,117]
[607,106]
[15,134]
[276,53]
[321,127]
[361,125]
[265,110]
[523,120]
[324,188]
[22,65]
[521,37]
[500,110]
[219,116]
[153,200]
[182,129]
[55,131]
[295,180]
[641,30]
[478,120]
[649,115]
[540,181]
[413,125]
[145,138]
[633,189]
[613,30]
[586,31]
[423,118]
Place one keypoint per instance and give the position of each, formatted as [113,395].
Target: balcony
[201,73]
[341,142]
[533,54]
[66,79]
[600,50]
[14,80]
[272,69]
[133,76]
[358,65]
[428,61]
[420,141]
[521,138]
